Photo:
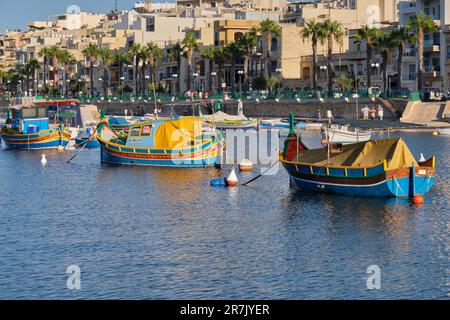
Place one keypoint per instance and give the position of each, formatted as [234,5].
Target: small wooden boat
[87,139]
[165,142]
[344,134]
[383,168]
[223,121]
[274,124]
[29,128]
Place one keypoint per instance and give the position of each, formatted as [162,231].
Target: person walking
[380,112]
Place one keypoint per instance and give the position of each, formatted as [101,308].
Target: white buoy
[232,179]
[245,165]
[422,158]
[43,160]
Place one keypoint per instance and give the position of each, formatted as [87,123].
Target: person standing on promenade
[365,112]
[372,113]
[380,112]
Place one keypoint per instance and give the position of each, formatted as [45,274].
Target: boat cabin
[30,118]
[140,135]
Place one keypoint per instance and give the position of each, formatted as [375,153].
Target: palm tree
[315,32]
[45,53]
[234,51]
[174,55]
[66,58]
[153,55]
[421,24]
[269,28]
[107,58]
[385,46]
[333,32]
[209,55]
[54,53]
[190,46]
[221,56]
[247,43]
[369,35]
[135,53]
[91,52]
[30,70]
[401,38]
[121,58]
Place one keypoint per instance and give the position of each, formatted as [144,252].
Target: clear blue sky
[15,14]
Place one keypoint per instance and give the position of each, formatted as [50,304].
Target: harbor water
[158,233]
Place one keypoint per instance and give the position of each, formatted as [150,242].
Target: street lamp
[122,79]
[79,86]
[240,73]
[278,71]
[195,75]
[147,77]
[174,77]
[213,75]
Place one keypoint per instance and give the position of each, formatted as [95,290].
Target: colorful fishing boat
[382,168]
[165,142]
[29,128]
[274,124]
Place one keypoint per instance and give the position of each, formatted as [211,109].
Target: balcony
[431,45]
[432,71]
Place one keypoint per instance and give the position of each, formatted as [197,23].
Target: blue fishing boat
[29,128]
[165,142]
[375,168]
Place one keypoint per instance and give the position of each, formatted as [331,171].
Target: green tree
[421,24]
[174,55]
[30,72]
[233,52]
[269,28]
[369,35]
[247,44]
[209,55]
[67,59]
[135,52]
[121,59]
[344,82]
[45,53]
[385,46]
[153,55]
[401,38]
[91,52]
[333,32]
[190,46]
[315,32]
[107,58]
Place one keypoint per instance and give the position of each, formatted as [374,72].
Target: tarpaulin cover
[178,134]
[364,154]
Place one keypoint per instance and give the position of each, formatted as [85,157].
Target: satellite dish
[73,9]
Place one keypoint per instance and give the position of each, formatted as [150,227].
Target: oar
[246,183]
[85,144]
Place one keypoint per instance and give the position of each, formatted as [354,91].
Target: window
[28,112]
[146,131]
[135,132]
[41,112]
[274,44]
[448,52]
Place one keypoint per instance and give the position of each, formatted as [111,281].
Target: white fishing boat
[345,134]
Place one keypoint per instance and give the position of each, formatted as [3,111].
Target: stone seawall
[267,108]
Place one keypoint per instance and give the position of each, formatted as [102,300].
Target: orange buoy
[245,165]
[324,142]
[418,199]
[232,179]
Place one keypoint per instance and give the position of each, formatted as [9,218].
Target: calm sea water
[151,233]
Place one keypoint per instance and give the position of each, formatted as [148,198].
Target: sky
[15,14]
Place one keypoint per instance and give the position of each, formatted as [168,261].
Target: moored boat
[165,142]
[344,134]
[29,128]
[223,121]
[376,168]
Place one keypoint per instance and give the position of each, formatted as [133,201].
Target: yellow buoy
[435,133]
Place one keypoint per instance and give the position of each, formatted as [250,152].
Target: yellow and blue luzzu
[29,128]
[168,142]
[375,168]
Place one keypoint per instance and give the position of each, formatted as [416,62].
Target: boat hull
[346,137]
[46,139]
[188,158]
[393,183]
[92,144]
